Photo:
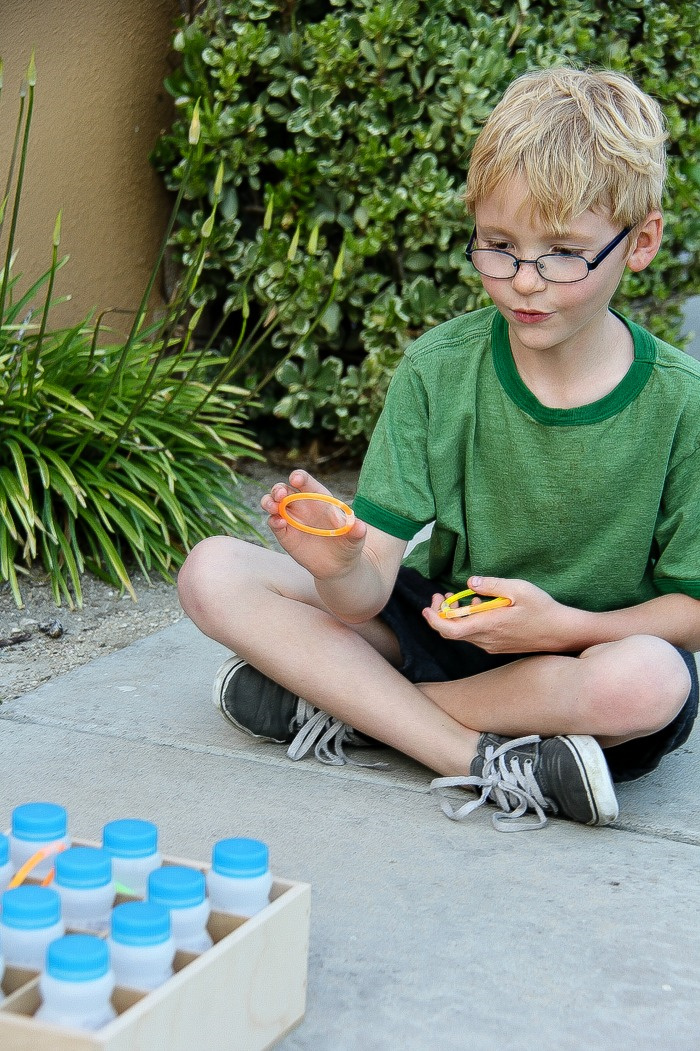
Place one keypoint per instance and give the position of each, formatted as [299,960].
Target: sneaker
[566,775]
[260,707]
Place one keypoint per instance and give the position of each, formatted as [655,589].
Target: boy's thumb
[487,585]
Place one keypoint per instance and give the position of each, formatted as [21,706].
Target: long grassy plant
[115,453]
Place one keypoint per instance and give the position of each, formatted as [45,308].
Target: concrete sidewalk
[425,934]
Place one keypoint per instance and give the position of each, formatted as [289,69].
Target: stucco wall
[99,106]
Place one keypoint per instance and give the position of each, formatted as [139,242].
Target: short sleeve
[394,491]
[677,533]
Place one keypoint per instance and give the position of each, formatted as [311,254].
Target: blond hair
[583,139]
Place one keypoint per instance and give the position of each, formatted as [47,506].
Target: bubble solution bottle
[182,890]
[77,983]
[83,879]
[133,846]
[7,869]
[30,921]
[36,826]
[141,945]
[239,879]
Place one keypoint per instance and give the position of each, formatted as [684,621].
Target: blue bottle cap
[176,887]
[77,958]
[29,908]
[140,923]
[39,822]
[130,838]
[241,858]
[83,868]
[4,849]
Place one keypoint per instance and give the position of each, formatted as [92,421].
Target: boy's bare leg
[614,692]
[265,607]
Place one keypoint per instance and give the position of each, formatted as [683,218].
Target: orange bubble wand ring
[322,498]
[32,862]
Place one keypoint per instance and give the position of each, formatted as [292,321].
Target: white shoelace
[512,787]
[324,734]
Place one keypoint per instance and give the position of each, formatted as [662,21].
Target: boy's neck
[580,372]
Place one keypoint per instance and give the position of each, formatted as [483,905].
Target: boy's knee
[634,686]
[202,572]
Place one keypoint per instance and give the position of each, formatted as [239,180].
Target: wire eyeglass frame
[540,263]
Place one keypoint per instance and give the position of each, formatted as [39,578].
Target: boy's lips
[530,317]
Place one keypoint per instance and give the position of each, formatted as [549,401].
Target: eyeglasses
[558,267]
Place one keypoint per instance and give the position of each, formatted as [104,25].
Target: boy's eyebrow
[493,232]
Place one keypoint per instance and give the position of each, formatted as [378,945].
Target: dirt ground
[42,641]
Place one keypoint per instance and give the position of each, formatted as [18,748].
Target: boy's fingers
[491,586]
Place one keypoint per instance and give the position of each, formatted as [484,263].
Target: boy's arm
[675,618]
[537,623]
[364,589]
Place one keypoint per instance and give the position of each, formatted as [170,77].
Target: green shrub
[358,117]
[115,453]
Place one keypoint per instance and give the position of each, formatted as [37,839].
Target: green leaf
[6,517]
[303,415]
[22,506]
[65,472]
[109,552]
[124,526]
[288,374]
[66,398]
[58,484]
[7,566]
[20,465]
[331,318]
[72,565]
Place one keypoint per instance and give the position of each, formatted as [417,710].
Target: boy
[555,447]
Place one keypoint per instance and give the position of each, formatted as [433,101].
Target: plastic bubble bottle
[239,879]
[35,827]
[76,983]
[133,846]
[30,921]
[182,890]
[141,944]
[7,869]
[83,879]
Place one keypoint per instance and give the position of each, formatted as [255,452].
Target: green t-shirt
[599,505]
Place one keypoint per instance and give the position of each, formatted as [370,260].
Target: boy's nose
[527,277]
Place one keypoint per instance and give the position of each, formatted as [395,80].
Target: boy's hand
[323,557]
[534,623]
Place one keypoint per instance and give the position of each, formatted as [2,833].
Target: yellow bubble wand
[448,610]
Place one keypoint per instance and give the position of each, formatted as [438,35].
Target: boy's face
[542,315]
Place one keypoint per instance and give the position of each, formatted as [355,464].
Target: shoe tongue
[490,741]
[527,749]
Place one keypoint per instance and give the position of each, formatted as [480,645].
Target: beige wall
[99,107]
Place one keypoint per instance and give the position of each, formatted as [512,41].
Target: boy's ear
[645,241]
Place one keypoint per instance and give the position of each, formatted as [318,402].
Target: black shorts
[427,657]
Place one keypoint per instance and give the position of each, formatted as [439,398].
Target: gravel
[42,641]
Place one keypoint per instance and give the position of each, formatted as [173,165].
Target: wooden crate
[243,994]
